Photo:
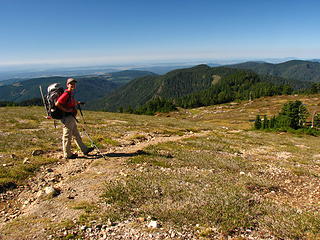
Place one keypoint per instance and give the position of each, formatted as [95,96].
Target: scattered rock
[165,154]
[51,191]
[70,197]
[7,164]
[141,219]
[37,152]
[154,224]
[84,227]
[111,223]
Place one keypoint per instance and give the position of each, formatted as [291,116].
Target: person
[67,103]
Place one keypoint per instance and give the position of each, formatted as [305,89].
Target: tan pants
[70,129]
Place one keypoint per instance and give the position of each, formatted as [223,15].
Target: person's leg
[66,137]
[78,138]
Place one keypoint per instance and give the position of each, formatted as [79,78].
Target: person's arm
[61,107]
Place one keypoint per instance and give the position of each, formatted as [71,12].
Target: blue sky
[118,31]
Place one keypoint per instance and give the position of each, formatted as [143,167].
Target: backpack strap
[69,96]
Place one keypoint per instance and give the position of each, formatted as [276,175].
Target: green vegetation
[89,88]
[24,129]
[241,85]
[205,183]
[30,102]
[191,87]
[20,136]
[303,71]
[292,118]
[153,106]
[217,179]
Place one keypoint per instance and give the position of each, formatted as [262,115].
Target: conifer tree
[257,122]
[272,122]
[296,112]
[265,123]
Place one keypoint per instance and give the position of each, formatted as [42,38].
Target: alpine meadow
[198,173]
[159,120]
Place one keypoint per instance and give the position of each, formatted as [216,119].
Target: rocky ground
[46,198]
[63,199]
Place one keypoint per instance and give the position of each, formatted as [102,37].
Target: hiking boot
[90,149]
[72,156]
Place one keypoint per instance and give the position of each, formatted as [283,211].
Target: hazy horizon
[87,33]
[48,67]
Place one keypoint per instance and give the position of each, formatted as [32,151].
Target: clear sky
[129,31]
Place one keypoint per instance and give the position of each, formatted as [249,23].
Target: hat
[70,80]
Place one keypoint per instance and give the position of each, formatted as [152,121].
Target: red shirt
[67,99]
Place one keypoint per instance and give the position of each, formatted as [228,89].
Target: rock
[242,173]
[26,160]
[165,154]
[99,226]
[39,194]
[70,197]
[82,228]
[111,223]
[154,224]
[141,219]
[7,164]
[13,156]
[37,152]
[51,191]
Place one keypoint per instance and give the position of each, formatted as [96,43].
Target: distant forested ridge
[88,88]
[241,85]
[197,86]
[304,71]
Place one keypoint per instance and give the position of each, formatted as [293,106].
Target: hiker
[67,103]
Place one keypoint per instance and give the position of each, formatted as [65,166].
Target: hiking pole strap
[81,114]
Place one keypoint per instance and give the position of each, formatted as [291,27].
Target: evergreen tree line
[313,89]
[293,115]
[30,102]
[238,86]
[242,85]
[153,106]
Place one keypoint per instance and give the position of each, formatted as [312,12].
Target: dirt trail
[28,212]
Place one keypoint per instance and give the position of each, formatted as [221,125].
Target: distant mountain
[176,85]
[167,68]
[120,76]
[63,72]
[16,75]
[88,88]
[305,71]
[11,81]
[126,76]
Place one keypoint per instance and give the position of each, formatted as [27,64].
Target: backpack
[54,92]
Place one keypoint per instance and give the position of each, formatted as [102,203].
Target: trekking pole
[84,122]
[91,140]
[43,100]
